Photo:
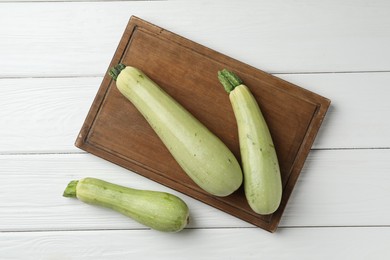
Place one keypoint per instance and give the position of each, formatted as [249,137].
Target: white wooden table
[52,59]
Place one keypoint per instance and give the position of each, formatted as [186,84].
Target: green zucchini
[262,179]
[158,210]
[200,153]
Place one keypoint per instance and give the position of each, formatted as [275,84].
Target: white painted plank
[342,188]
[46,114]
[31,197]
[336,188]
[43,115]
[313,243]
[276,36]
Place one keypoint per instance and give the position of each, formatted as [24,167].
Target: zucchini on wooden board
[200,153]
[262,179]
[158,210]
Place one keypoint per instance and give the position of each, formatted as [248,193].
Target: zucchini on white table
[200,153]
[158,210]
[262,180]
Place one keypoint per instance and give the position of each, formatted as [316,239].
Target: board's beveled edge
[81,140]
[134,22]
[317,119]
[230,62]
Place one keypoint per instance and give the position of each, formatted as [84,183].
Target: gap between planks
[190,228]
[32,153]
[276,73]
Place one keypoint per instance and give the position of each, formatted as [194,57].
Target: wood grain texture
[296,243]
[336,188]
[271,35]
[52,110]
[71,42]
[116,131]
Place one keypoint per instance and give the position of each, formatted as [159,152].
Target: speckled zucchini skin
[262,179]
[158,210]
[201,154]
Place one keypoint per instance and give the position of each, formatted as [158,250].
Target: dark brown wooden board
[116,131]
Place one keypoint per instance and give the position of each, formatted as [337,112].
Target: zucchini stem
[229,80]
[70,190]
[114,71]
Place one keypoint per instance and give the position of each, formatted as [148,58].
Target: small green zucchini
[262,179]
[200,153]
[158,210]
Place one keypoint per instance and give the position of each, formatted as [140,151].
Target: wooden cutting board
[116,131]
